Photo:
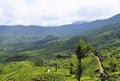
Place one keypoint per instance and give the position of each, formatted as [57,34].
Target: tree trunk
[79,69]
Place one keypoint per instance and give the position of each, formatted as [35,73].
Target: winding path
[103,74]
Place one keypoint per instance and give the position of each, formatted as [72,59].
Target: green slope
[23,69]
[20,33]
[26,70]
[106,37]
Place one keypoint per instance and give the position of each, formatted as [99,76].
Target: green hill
[27,71]
[28,61]
[106,37]
[22,34]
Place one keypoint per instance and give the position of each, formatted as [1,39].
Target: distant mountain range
[21,33]
[80,22]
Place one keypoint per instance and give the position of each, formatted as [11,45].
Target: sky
[55,12]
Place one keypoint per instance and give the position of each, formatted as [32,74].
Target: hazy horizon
[55,12]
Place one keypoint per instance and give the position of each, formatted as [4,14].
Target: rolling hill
[106,37]
[21,33]
[23,46]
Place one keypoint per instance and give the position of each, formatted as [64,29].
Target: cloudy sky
[55,12]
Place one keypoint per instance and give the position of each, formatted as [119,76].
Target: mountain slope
[21,33]
[107,37]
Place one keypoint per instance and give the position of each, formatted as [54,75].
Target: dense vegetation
[54,57]
[26,70]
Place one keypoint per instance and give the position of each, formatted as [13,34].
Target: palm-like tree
[81,50]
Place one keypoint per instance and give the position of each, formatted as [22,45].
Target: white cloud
[55,12]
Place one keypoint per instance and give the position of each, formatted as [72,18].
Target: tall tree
[81,50]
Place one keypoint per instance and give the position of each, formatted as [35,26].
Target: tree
[113,66]
[1,69]
[81,50]
[71,68]
[56,67]
[39,61]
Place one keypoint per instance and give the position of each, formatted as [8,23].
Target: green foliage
[26,70]
[105,38]
[71,68]
[1,68]
[39,61]
[113,66]
[56,67]
[83,49]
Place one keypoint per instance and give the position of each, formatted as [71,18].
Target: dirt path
[100,64]
[109,55]
[103,74]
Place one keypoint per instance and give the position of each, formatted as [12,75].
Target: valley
[28,52]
